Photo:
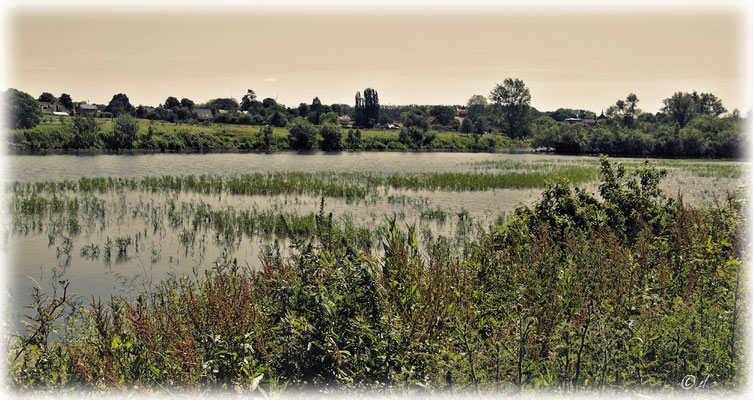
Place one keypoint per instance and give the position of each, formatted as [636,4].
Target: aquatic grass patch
[630,291]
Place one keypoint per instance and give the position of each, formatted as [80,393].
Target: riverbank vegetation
[689,125]
[627,290]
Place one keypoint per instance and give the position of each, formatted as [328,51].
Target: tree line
[689,124]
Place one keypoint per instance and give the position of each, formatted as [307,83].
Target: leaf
[155,370]
[115,343]
[255,382]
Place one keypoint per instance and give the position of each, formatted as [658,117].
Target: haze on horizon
[567,59]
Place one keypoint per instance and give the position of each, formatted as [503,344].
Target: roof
[462,112]
[202,113]
[84,106]
[432,118]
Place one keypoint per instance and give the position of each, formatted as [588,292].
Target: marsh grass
[629,291]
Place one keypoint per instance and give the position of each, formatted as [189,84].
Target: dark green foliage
[514,100]
[120,105]
[278,119]
[222,104]
[444,114]
[21,110]
[66,101]
[123,133]
[354,141]
[467,125]
[186,102]
[47,98]
[302,134]
[331,137]
[85,133]
[171,102]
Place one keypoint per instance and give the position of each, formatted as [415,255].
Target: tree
[123,133]
[331,137]
[66,100]
[172,102]
[185,102]
[353,141]
[415,118]
[303,110]
[223,104]
[47,98]
[120,104]
[467,125]
[316,108]
[22,110]
[84,132]
[514,99]
[371,107]
[680,108]
[625,111]
[360,110]
[302,134]
[329,118]
[476,106]
[278,119]
[708,104]
[444,114]
[268,102]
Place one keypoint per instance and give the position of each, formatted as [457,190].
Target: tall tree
[476,106]
[443,114]
[708,104]
[625,111]
[66,100]
[317,109]
[186,102]
[680,108]
[21,109]
[47,98]
[119,105]
[359,110]
[371,107]
[514,100]
[172,102]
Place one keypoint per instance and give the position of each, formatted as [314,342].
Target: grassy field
[162,127]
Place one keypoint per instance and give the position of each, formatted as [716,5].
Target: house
[202,113]
[462,112]
[85,109]
[432,119]
[53,108]
[346,121]
[587,123]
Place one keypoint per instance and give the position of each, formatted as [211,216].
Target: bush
[22,110]
[331,137]
[302,134]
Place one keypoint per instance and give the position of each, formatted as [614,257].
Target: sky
[571,58]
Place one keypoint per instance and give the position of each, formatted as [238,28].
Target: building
[587,123]
[202,113]
[53,109]
[85,109]
[462,112]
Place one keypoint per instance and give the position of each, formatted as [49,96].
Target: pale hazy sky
[568,59]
